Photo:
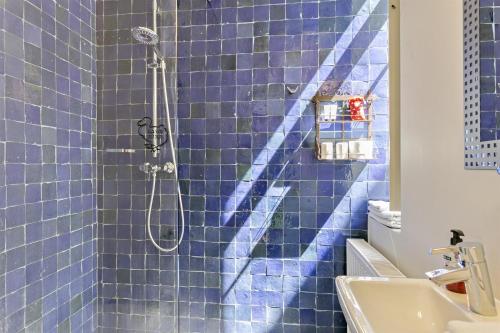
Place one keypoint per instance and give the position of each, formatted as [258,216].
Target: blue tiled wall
[267,221]
[48,258]
[136,283]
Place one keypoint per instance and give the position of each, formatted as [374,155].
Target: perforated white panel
[478,155]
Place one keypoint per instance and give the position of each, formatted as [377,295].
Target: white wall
[437,193]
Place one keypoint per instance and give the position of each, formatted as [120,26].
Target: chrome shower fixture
[150,168]
[147,36]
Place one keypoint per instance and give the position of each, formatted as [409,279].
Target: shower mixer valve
[150,169]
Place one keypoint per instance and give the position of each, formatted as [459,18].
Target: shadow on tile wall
[267,221]
[48,226]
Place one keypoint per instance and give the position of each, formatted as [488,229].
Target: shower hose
[174,162]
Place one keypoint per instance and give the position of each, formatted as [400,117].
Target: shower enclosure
[138,289]
[265,222]
[85,155]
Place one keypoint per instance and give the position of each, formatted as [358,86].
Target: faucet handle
[471,252]
[445,250]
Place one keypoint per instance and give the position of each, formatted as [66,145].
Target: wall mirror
[482,84]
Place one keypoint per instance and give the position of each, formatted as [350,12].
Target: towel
[457,326]
[394,224]
[388,215]
[383,209]
[378,205]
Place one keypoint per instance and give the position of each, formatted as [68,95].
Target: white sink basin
[396,305]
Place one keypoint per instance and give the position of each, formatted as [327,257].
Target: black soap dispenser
[453,262]
[457,234]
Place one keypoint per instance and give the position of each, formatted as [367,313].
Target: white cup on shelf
[333,111]
[354,149]
[366,149]
[327,150]
[361,149]
[342,150]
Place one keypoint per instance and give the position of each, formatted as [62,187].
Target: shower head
[145,36]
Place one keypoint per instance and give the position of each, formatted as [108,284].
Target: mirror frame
[477,154]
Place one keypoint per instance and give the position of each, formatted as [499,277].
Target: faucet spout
[474,272]
[443,277]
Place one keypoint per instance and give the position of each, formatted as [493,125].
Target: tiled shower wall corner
[136,284]
[47,197]
[267,221]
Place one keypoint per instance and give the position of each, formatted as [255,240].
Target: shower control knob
[169,167]
[155,168]
[145,167]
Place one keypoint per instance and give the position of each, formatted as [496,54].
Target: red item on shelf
[356,106]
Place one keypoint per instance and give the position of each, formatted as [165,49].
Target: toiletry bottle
[326,112]
[452,262]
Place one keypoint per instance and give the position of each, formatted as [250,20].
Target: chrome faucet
[151,169]
[473,271]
